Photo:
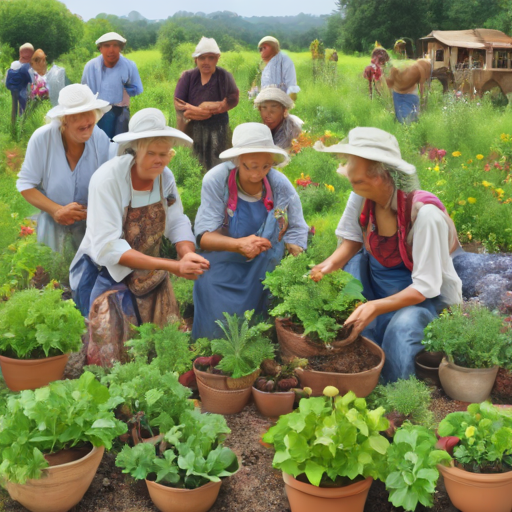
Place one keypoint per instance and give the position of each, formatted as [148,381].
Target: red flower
[26,230]
[487,167]
[447,443]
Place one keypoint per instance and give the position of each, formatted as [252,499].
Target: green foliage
[331,440]
[243,348]
[38,323]
[193,454]
[169,37]
[62,415]
[320,307]
[470,336]
[485,435]
[183,291]
[9,226]
[317,200]
[412,463]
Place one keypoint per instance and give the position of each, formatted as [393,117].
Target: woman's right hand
[192,265]
[251,246]
[320,270]
[69,214]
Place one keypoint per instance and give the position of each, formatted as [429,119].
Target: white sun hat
[150,122]
[274,94]
[110,36]
[254,138]
[271,40]
[206,45]
[75,99]
[372,144]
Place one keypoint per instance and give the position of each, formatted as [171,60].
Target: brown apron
[154,301]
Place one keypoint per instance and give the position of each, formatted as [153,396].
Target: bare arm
[65,215]
[185,247]
[338,259]
[249,246]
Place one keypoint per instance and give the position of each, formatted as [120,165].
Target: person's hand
[362,316]
[320,270]
[192,265]
[294,249]
[251,246]
[221,106]
[180,104]
[70,214]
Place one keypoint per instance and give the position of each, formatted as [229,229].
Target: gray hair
[399,180]
[141,145]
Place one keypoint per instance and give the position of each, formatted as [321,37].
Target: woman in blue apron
[249,215]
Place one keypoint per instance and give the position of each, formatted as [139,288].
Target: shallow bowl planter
[273,405]
[220,401]
[467,384]
[62,485]
[477,492]
[362,384]
[427,366]
[169,499]
[304,497]
[20,374]
[224,382]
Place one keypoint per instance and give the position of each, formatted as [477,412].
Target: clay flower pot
[62,485]
[305,497]
[220,401]
[22,374]
[169,499]
[427,366]
[224,382]
[467,384]
[477,492]
[273,405]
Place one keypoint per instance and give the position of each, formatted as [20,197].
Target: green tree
[47,24]
[169,37]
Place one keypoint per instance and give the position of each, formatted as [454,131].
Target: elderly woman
[202,99]
[279,70]
[249,213]
[117,276]
[398,241]
[61,157]
[274,104]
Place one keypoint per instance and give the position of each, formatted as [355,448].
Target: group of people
[115,199]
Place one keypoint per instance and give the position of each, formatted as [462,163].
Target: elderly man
[115,79]
[202,99]
[19,76]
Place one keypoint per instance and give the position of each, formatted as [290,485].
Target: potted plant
[52,441]
[309,318]
[183,467]
[481,475]
[225,379]
[475,342]
[426,365]
[37,332]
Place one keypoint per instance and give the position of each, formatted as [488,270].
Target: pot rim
[281,393]
[328,492]
[176,490]
[463,369]
[463,476]
[222,391]
[14,360]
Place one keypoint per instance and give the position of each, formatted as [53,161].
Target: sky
[160,9]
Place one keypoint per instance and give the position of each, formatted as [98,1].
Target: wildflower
[26,230]
[441,153]
[487,168]
[331,391]
[500,192]
[486,184]
[470,161]
[479,157]
[470,431]
[328,133]
[303,181]
[505,137]
[14,215]
[471,200]
[330,188]
[436,168]
[498,166]
[462,202]
[456,154]
[469,235]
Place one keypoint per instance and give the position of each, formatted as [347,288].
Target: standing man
[18,78]
[115,79]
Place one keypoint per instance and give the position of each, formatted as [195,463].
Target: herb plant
[61,415]
[38,323]
[470,336]
[320,307]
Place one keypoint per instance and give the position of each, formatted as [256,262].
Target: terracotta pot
[22,374]
[221,401]
[427,367]
[467,384]
[273,405]
[169,499]
[306,497]
[476,492]
[61,487]
[223,382]
[362,384]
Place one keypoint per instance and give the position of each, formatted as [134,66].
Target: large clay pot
[220,401]
[223,382]
[22,374]
[362,384]
[62,486]
[427,366]
[273,405]
[305,497]
[477,492]
[467,384]
[169,499]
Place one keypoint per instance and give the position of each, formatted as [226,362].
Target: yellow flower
[331,391]
[504,137]
[330,188]
[479,157]
[470,431]
[500,192]
[462,202]
[456,154]
[469,235]
[486,184]
[470,161]
[308,390]
[436,168]
[328,133]
[471,200]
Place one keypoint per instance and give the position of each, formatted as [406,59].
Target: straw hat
[253,138]
[206,45]
[272,40]
[150,122]
[75,99]
[110,36]
[274,94]
[372,144]
[26,46]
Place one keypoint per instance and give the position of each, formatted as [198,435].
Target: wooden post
[14,112]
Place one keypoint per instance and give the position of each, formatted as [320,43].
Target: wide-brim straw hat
[206,45]
[110,36]
[75,99]
[271,40]
[274,94]
[372,144]
[150,122]
[254,138]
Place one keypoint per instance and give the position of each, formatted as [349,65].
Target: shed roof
[475,38]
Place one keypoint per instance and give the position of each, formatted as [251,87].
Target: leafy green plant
[470,336]
[38,323]
[62,415]
[183,291]
[317,199]
[188,456]
[243,348]
[321,308]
